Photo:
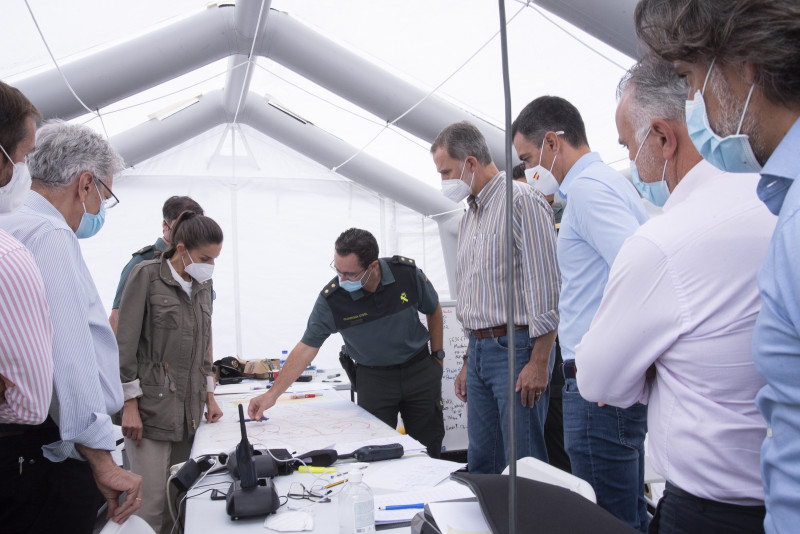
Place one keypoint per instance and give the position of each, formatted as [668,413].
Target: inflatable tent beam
[156,136]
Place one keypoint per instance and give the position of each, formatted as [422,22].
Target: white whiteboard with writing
[455,411]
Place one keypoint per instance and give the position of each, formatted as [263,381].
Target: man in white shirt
[675,325]
[65,464]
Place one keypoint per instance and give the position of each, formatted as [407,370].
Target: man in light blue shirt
[605,444]
[741,68]
[64,461]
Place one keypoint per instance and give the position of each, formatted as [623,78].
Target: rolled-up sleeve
[535,238]
[129,330]
[25,340]
[639,318]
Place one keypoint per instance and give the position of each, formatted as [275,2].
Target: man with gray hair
[463,160]
[675,325]
[68,457]
[739,58]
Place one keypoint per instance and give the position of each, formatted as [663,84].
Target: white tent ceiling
[444,54]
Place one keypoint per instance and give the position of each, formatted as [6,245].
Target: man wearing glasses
[375,303]
[67,459]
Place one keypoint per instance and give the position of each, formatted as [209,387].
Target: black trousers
[679,512]
[414,391]
[40,496]
[554,423]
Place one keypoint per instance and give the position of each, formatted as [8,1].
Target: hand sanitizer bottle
[356,507]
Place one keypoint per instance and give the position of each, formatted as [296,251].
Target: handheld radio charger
[249,496]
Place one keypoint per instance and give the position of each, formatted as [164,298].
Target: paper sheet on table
[245,386]
[409,473]
[459,518]
[409,444]
[445,492]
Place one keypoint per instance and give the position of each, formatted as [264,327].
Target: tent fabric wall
[288,215]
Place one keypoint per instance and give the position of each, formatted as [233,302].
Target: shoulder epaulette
[144,250]
[402,260]
[330,288]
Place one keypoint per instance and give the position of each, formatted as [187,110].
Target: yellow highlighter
[315,470]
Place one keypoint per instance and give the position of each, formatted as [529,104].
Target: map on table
[298,425]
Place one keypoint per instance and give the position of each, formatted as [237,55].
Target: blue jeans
[487,405]
[606,449]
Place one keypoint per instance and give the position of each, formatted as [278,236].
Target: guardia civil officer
[374,303]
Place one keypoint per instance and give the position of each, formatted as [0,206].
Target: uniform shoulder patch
[144,250]
[404,260]
[330,288]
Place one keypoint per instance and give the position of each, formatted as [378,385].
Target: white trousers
[152,460]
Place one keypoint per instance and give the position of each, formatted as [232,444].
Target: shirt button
[769,431]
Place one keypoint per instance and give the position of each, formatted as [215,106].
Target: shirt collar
[39,204]
[489,190]
[161,245]
[579,166]
[690,182]
[780,171]
[784,163]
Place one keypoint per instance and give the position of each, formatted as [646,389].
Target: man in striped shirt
[463,160]
[26,363]
[64,461]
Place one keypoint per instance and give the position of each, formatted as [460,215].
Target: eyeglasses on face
[348,276]
[111,201]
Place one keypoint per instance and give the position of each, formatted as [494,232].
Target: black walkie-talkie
[244,457]
[249,496]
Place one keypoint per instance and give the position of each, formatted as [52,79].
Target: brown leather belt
[495,331]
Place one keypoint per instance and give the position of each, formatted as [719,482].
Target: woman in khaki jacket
[164,335]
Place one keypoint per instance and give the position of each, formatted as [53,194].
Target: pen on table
[332,484]
[251,420]
[334,375]
[306,396]
[402,506]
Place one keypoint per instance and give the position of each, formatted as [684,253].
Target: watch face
[438,354]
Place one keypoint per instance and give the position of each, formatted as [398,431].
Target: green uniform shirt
[380,328]
[146,253]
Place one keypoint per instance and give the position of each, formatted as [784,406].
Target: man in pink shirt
[26,364]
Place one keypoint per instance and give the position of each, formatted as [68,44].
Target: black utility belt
[421,355]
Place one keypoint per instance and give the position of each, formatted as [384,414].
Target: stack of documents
[412,501]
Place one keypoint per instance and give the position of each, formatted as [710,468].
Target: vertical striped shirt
[481,270]
[26,336]
[85,357]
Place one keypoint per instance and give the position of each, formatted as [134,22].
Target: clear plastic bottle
[356,507]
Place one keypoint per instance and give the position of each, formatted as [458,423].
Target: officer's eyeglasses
[111,201]
[348,276]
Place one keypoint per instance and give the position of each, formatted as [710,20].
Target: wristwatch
[438,354]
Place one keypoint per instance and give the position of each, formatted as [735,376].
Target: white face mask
[458,190]
[541,178]
[202,272]
[12,195]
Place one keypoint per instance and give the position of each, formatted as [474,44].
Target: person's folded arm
[639,318]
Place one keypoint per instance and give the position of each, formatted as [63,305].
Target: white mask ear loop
[6,153]
[560,132]
[708,75]
[664,172]
[641,145]
[744,111]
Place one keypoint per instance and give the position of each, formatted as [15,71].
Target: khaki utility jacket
[164,338]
